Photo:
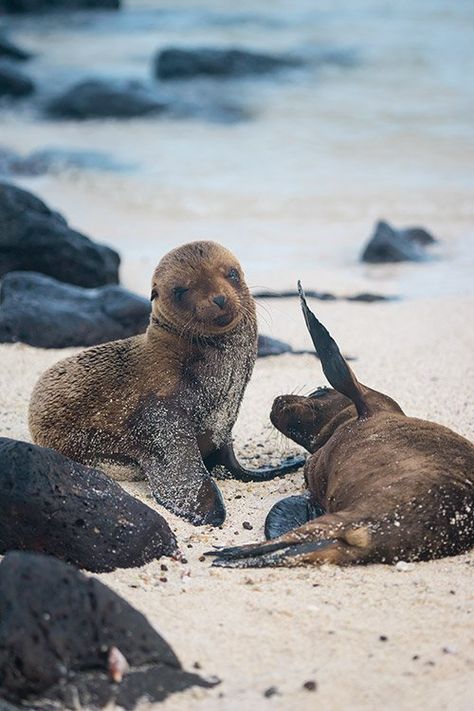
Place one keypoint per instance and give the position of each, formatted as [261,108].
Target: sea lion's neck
[181,341]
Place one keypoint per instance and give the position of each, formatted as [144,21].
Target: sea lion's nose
[219,300]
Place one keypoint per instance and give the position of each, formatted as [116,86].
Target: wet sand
[370,637]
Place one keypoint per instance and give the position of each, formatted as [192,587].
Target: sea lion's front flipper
[289,513]
[178,477]
[225,457]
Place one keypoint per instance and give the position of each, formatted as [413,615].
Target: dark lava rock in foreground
[100,98]
[46,313]
[34,238]
[12,51]
[50,504]
[23,6]
[13,82]
[176,63]
[390,245]
[60,631]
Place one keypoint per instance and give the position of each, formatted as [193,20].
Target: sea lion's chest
[215,377]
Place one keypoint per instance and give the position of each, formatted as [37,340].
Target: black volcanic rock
[50,504]
[46,313]
[390,245]
[268,346]
[24,6]
[57,631]
[12,51]
[101,98]
[56,161]
[34,238]
[13,82]
[177,63]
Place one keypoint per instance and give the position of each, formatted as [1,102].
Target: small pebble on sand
[271,691]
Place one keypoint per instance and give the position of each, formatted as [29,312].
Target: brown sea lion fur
[163,402]
[390,487]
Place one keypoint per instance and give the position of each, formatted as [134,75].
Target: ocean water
[384,129]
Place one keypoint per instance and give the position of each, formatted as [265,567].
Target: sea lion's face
[200,289]
[310,421]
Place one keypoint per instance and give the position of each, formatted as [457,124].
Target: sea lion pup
[389,487]
[164,401]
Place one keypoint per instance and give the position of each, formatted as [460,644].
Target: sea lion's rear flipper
[225,457]
[289,513]
[335,367]
[326,539]
[177,476]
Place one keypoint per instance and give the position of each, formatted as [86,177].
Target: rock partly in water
[21,7]
[177,63]
[57,160]
[101,98]
[390,245]
[13,82]
[12,51]
[63,638]
[369,298]
[268,346]
[34,238]
[50,504]
[98,98]
[46,313]
[325,296]
[321,295]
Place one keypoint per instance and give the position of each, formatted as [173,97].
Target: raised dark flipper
[225,457]
[333,362]
[290,513]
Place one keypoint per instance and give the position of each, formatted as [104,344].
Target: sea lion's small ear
[154,294]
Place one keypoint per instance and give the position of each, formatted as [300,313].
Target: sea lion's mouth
[224,320]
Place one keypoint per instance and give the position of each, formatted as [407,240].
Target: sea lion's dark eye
[233,275]
[179,292]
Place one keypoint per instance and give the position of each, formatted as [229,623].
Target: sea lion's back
[75,387]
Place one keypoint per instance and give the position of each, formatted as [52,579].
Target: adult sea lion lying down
[164,402]
[382,486]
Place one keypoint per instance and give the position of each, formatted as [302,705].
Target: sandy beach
[258,629]
[294,190]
